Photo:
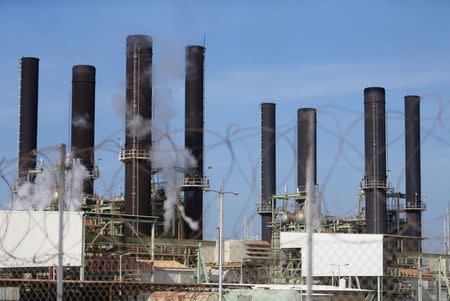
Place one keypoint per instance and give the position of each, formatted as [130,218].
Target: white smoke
[137,126]
[74,184]
[172,161]
[193,224]
[82,122]
[38,195]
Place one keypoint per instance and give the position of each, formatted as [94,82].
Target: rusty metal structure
[138,139]
[375,182]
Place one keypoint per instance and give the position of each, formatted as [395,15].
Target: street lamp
[120,264]
[220,230]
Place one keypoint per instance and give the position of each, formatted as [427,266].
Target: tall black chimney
[83,119]
[268,167]
[193,138]
[138,140]
[375,160]
[306,133]
[29,76]
[412,172]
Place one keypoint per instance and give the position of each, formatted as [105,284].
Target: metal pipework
[268,165]
[412,172]
[375,159]
[306,145]
[138,139]
[83,119]
[29,77]
[193,138]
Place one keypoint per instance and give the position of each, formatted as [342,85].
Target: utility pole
[221,245]
[221,194]
[61,191]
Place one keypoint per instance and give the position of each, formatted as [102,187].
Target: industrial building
[375,254]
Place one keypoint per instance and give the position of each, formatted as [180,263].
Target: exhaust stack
[29,78]
[412,173]
[83,120]
[306,146]
[268,167]
[375,160]
[193,138]
[138,140]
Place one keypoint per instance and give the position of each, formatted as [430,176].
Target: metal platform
[195,183]
[375,185]
[129,154]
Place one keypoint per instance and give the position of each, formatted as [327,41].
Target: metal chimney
[29,77]
[83,120]
[306,145]
[193,138]
[268,167]
[375,184]
[412,172]
[138,141]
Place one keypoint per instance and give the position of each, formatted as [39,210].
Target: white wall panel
[30,238]
[339,254]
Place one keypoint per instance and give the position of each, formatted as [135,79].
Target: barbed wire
[240,163]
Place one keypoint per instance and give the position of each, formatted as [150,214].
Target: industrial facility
[130,247]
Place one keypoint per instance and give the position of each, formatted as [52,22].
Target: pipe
[29,79]
[138,136]
[193,138]
[375,159]
[268,166]
[412,172]
[83,120]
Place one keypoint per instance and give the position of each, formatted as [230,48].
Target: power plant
[130,247]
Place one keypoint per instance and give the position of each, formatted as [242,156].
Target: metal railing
[376,184]
[196,182]
[127,154]
[407,206]
[263,209]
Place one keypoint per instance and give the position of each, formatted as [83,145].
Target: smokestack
[193,138]
[412,172]
[375,159]
[83,119]
[29,77]
[138,139]
[306,145]
[268,167]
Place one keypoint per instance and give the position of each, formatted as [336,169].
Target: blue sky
[318,54]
